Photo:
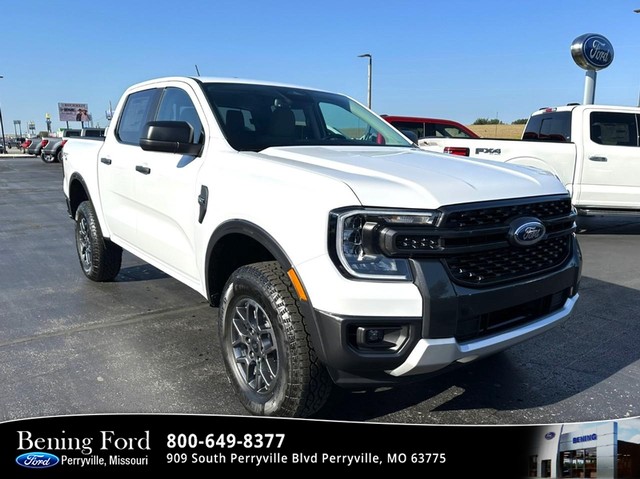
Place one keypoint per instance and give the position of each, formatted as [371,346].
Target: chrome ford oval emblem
[37,460]
[526,231]
[592,51]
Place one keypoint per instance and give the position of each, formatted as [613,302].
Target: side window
[609,128]
[417,128]
[175,105]
[134,116]
[455,132]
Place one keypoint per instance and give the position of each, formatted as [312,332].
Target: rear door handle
[106,161]
[143,169]
[598,158]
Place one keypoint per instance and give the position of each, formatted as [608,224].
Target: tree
[520,121]
[487,121]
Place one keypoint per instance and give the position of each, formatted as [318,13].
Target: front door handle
[106,161]
[143,169]
[598,158]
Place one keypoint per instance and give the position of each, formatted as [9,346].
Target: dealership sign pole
[591,52]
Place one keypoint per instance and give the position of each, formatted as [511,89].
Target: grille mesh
[496,215]
[508,263]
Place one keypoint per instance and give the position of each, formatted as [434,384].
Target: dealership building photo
[608,449]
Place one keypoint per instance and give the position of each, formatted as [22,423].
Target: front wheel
[267,351]
[100,258]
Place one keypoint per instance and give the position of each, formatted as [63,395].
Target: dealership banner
[202,445]
[107,445]
[74,112]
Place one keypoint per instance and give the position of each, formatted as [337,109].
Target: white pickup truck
[336,250]
[593,149]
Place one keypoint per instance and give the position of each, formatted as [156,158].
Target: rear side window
[555,126]
[609,128]
[134,116]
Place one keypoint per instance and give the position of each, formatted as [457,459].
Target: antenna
[197,71]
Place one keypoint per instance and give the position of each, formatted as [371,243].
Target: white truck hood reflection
[412,178]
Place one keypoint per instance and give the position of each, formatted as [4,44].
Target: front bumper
[458,324]
[431,355]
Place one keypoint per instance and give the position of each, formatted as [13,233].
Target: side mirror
[411,135]
[169,137]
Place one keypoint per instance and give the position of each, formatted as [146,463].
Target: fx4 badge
[489,151]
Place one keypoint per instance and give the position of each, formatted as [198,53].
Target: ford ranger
[336,250]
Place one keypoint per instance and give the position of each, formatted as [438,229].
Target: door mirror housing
[411,135]
[169,137]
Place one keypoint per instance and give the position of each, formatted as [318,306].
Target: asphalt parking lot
[147,343]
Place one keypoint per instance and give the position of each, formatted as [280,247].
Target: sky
[629,430]
[455,59]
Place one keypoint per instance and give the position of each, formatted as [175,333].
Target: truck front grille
[477,250]
[509,263]
[474,216]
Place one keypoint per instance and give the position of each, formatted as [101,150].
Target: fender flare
[76,177]
[247,228]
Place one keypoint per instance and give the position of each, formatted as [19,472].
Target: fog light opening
[381,338]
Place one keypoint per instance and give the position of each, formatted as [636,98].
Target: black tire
[59,155]
[47,158]
[100,259]
[267,351]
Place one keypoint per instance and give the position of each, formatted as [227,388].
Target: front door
[167,192]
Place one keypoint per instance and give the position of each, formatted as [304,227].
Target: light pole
[368,55]
[637,10]
[4,145]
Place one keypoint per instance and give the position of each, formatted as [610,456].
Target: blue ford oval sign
[37,460]
[550,435]
[592,51]
[526,231]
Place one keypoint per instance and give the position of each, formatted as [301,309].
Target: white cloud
[629,430]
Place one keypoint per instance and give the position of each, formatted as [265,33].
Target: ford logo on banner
[526,231]
[37,460]
[592,51]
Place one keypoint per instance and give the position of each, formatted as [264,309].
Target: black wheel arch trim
[70,208]
[247,228]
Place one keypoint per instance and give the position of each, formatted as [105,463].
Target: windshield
[255,117]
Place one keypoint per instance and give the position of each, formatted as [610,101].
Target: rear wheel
[47,158]
[100,258]
[267,351]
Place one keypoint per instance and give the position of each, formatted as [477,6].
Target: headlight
[359,247]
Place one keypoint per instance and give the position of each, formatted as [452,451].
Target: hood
[413,178]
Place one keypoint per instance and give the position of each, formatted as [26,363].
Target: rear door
[116,166]
[610,174]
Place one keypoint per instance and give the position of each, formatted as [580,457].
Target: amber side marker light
[297,285]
